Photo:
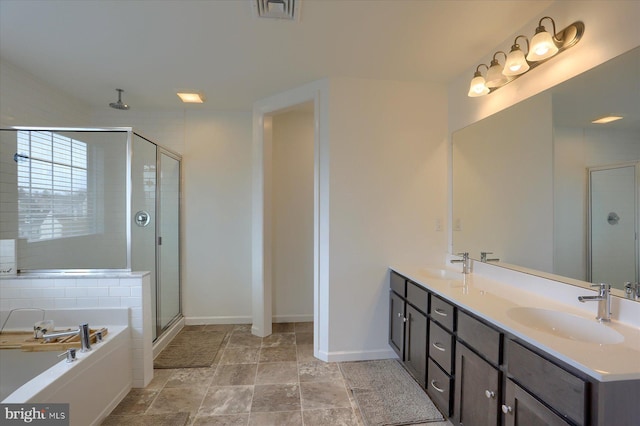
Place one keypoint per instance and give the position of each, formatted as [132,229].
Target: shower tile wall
[132,291]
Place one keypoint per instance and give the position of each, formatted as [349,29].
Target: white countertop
[491,300]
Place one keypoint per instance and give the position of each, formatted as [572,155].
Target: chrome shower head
[119,104]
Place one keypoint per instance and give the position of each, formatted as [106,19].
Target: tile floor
[254,381]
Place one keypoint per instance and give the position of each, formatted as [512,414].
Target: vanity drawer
[398,283]
[439,386]
[558,388]
[441,346]
[486,340]
[442,312]
[418,297]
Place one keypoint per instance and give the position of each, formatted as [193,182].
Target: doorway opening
[315,96]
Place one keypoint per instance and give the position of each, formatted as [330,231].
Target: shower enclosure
[92,200]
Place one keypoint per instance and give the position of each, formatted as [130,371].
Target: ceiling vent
[277,9]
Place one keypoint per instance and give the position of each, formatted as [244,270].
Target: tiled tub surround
[490,291]
[90,291]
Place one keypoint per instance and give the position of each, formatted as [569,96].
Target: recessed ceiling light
[607,119]
[191,98]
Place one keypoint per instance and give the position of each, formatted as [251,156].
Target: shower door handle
[159,241]
[142,218]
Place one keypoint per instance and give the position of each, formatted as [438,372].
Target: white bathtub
[92,386]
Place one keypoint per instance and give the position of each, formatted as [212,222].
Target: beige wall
[292,216]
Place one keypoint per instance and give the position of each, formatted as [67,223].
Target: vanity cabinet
[522,409]
[408,304]
[477,396]
[478,375]
[552,385]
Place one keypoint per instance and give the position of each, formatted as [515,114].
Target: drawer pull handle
[506,409]
[439,346]
[440,312]
[489,394]
[433,385]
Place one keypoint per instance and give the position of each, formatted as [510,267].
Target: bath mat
[190,349]
[387,395]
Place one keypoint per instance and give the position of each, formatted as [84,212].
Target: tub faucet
[82,331]
[466,262]
[604,301]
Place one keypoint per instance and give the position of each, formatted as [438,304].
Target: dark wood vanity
[479,374]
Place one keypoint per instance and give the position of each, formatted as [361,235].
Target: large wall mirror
[548,191]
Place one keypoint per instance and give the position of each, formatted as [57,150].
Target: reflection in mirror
[544,188]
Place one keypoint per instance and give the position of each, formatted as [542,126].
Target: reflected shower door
[613,222]
[168,286]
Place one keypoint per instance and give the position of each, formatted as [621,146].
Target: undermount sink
[443,274]
[564,325]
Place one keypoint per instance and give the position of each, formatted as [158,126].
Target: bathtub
[92,385]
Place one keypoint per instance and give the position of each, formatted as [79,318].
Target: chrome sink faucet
[82,331]
[484,257]
[466,262]
[604,301]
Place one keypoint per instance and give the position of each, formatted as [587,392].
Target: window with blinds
[53,201]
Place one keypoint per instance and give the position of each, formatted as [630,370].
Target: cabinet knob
[489,394]
[399,315]
[506,409]
[404,320]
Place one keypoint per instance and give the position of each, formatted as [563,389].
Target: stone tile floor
[254,381]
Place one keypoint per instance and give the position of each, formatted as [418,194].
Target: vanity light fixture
[542,47]
[478,85]
[191,98]
[495,77]
[516,63]
[607,119]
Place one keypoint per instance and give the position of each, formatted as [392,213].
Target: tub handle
[70,354]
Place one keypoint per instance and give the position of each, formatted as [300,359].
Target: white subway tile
[109,282]
[20,303]
[87,282]
[136,292]
[48,303]
[109,302]
[66,303]
[97,291]
[65,282]
[130,302]
[88,302]
[120,291]
[31,293]
[10,293]
[54,293]
[75,292]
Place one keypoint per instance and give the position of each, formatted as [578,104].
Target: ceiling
[152,49]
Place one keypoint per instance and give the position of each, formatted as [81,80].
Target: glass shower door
[168,230]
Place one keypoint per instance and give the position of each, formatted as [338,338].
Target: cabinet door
[476,389]
[396,323]
[521,409]
[415,344]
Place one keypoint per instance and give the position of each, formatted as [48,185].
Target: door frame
[636,165]
[261,205]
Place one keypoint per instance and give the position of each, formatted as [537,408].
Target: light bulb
[542,46]
[477,86]
[516,63]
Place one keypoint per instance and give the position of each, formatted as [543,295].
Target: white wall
[292,215]
[26,101]
[388,167]
[611,28]
[217,217]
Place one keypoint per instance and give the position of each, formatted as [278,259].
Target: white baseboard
[217,320]
[343,356]
[167,337]
[292,318]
